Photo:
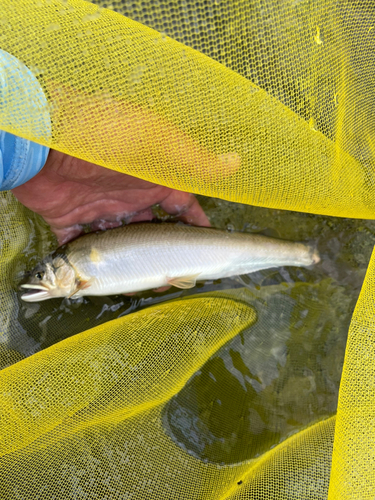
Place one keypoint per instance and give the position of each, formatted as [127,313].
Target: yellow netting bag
[267,103]
[130,98]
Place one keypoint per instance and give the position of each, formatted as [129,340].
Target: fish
[145,256]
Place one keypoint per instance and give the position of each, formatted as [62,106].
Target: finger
[102,224]
[66,234]
[186,207]
[143,216]
[161,289]
[156,290]
[109,223]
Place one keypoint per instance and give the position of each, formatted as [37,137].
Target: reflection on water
[271,381]
[279,376]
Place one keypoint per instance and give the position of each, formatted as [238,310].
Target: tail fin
[313,252]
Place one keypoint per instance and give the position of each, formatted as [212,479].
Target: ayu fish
[145,256]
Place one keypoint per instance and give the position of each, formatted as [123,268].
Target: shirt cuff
[24,109]
[20,160]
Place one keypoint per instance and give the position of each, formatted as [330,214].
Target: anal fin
[184,282]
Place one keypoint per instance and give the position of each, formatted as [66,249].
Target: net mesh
[264,103]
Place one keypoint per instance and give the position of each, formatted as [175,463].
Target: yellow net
[266,103]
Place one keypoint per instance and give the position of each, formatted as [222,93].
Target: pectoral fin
[183,281]
[81,285]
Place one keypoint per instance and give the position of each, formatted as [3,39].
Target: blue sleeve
[21,159]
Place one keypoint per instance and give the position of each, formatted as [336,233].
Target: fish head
[52,277]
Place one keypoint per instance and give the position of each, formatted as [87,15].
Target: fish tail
[313,252]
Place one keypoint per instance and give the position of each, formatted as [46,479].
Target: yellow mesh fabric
[267,103]
[354,442]
[88,415]
[135,98]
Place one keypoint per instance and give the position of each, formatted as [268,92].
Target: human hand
[69,192]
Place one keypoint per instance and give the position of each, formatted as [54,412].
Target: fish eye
[39,275]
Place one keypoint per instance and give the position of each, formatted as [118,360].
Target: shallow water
[271,381]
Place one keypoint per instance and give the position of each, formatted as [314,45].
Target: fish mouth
[35,293]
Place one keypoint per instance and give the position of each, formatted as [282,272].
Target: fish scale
[144,256]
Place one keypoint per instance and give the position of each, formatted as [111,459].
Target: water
[272,380]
